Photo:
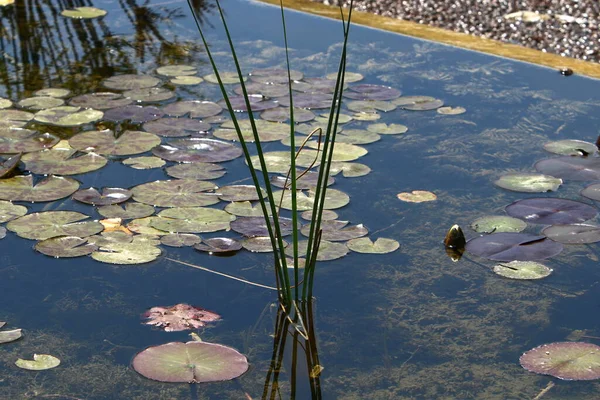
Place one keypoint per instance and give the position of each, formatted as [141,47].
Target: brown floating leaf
[179,317]
[417,196]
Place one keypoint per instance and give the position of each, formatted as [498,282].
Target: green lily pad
[245,209]
[107,197]
[226,77]
[264,136]
[199,170]
[138,251]
[65,246]
[333,199]
[498,223]
[327,215]
[417,196]
[149,95]
[14,118]
[385,129]
[528,182]
[128,211]
[418,103]
[100,100]
[10,336]
[267,130]
[336,231]
[105,142]
[349,77]
[356,136]
[49,224]
[192,220]
[53,92]
[186,80]
[370,106]
[522,270]
[108,238]
[192,362]
[19,140]
[279,161]
[366,116]
[21,188]
[571,147]
[10,211]
[180,239]
[327,250]
[148,162]
[349,169]
[176,193]
[564,360]
[130,82]
[59,160]
[5,103]
[380,246]
[40,102]
[83,13]
[343,151]
[282,114]
[342,119]
[40,362]
[176,70]
[303,180]
[195,109]
[451,110]
[238,193]
[142,226]
[68,116]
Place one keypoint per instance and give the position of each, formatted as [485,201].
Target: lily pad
[573,168]
[19,140]
[308,100]
[105,142]
[9,165]
[142,226]
[380,246]
[335,231]
[570,147]
[564,360]
[279,161]
[149,162]
[305,181]
[192,362]
[522,270]
[59,160]
[65,246]
[40,362]
[327,215]
[549,211]
[129,211]
[385,129]
[10,211]
[528,182]
[83,13]
[197,170]
[418,103]
[195,109]
[192,220]
[259,244]
[451,110]
[68,116]
[176,70]
[257,226]
[498,223]
[5,103]
[14,118]
[508,246]
[238,193]
[107,197]
[177,127]
[227,77]
[263,89]
[220,246]
[591,192]
[186,80]
[49,224]
[245,209]
[370,106]
[275,75]
[100,100]
[40,102]
[417,196]
[573,233]
[343,151]
[356,136]
[281,114]
[197,150]
[349,169]
[130,82]
[367,91]
[180,239]
[175,193]
[138,251]
[348,76]
[333,199]
[327,250]
[135,114]
[53,92]
[10,336]
[22,188]
[148,95]
[179,317]
[267,130]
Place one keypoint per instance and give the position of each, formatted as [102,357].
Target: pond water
[410,324]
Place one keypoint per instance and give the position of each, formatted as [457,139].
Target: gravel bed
[565,27]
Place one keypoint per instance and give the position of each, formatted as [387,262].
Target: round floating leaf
[267,131]
[335,231]
[186,80]
[10,211]
[130,82]
[192,220]
[5,103]
[40,102]
[385,129]
[10,336]
[177,127]
[549,211]
[14,118]
[40,362]
[342,119]
[275,75]
[21,188]
[365,245]
[83,13]
[148,95]
[327,250]
[305,181]
[238,193]
[308,100]
[192,362]
[333,199]
[176,70]
[142,226]
[592,191]
[257,226]
[220,246]
[522,270]
[508,246]
[263,89]
[327,215]
[343,151]
[105,142]
[53,92]
[68,116]
[65,246]
[195,108]
[139,251]
[574,168]
[259,244]
[175,193]
[197,170]
[49,224]
[417,196]
[130,211]
[180,239]
[144,162]
[367,91]
[279,161]
[322,85]
[348,76]
[60,161]
[18,140]
[418,103]
[451,110]
[571,147]
[9,165]
[528,182]
[197,150]
[349,169]
[179,317]
[257,103]
[107,197]
[245,209]
[370,106]
[226,77]
[564,360]
[281,114]
[573,233]
[133,113]
[356,136]
[496,223]
[100,101]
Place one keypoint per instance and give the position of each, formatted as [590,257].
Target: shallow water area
[410,324]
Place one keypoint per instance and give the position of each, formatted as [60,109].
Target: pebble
[566,27]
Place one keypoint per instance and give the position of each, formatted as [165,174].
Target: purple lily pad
[573,233]
[107,197]
[573,361]
[257,226]
[550,211]
[9,165]
[257,103]
[100,101]
[283,114]
[197,150]
[18,140]
[66,246]
[510,246]
[107,143]
[264,89]
[568,167]
[592,191]
[307,181]
[275,75]
[133,113]
[195,108]
[198,170]
[308,100]
[177,127]
[367,91]
[191,362]
[219,246]
[179,317]
[130,82]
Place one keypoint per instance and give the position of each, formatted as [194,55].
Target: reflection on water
[406,325]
